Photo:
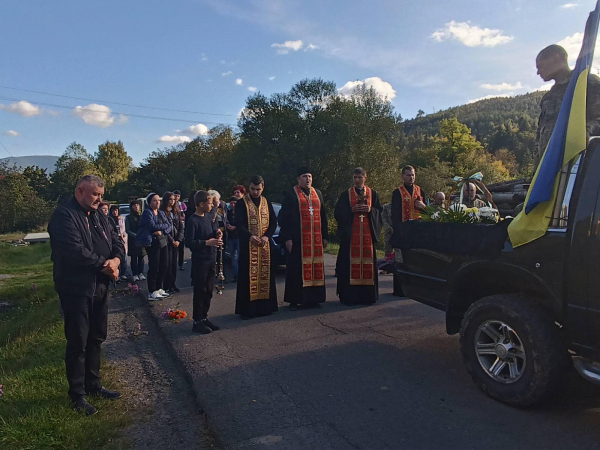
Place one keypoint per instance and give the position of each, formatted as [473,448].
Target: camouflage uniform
[550,106]
[387,227]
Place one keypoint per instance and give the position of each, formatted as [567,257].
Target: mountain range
[42,161]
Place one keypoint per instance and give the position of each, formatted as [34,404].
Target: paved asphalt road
[381,377]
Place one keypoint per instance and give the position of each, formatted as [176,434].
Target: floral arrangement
[459,213]
[174,314]
[132,290]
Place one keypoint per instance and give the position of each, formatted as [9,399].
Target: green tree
[38,179]
[113,164]
[73,164]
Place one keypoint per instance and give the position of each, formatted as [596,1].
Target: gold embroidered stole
[260,257]
[409,212]
[313,273]
[361,243]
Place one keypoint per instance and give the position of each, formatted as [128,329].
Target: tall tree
[113,163]
[74,163]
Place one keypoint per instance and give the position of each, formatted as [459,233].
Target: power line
[117,103]
[9,153]
[52,105]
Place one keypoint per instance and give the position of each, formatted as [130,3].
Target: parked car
[524,314]
[124,209]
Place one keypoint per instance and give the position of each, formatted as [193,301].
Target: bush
[22,209]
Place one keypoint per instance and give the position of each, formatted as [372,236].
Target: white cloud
[204,57]
[572,44]
[98,115]
[173,139]
[503,87]
[11,133]
[284,49]
[239,81]
[195,130]
[252,88]
[22,108]
[383,88]
[471,36]
[545,87]
[311,47]
[568,5]
[226,74]
[488,97]
[271,78]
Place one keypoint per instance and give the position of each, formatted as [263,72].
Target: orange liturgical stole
[313,273]
[409,212]
[361,243]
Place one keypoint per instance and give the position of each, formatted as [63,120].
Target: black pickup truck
[524,314]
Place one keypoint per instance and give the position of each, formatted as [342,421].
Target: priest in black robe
[255,222]
[304,230]
[358,213]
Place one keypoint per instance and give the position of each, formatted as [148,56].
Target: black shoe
[104,393]
[174,289]
[211,325]
[81,405]
[181,268]
[293,306]
[201,327]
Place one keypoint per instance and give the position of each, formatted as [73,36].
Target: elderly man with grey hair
[86,253]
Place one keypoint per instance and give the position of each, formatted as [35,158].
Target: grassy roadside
[34,410]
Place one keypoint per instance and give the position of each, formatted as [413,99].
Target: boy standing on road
[202,237]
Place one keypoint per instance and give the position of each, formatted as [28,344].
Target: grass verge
[35,412]
[333,248]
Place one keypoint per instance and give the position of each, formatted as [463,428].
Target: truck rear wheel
[513,349]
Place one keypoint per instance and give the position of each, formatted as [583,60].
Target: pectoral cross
[310,209]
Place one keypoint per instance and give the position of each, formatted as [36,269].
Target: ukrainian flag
[568,140]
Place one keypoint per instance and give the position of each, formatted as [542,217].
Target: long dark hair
[164,203]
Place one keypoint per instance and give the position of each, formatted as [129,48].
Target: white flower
[435,215]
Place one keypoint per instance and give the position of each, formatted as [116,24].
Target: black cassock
[289,221]
[344,216]
[243,305]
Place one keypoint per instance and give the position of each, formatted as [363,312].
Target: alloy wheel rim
[500,351]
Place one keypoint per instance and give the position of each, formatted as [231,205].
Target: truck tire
[513,349]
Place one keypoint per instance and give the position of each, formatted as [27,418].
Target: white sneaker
[142,277]
[163,293]
[136,278]
[155,296]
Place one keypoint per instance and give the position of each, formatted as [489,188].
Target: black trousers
[137,264]
[180,251]
[171,275]
[86,322]
[157,266]
[203,279]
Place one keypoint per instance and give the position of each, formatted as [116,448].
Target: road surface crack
[337,330]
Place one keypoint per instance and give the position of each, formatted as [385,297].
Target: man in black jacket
[86,253]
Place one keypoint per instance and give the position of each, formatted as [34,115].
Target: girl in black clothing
[118,224]
[169,206]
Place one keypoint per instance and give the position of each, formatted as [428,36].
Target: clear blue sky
[208,56]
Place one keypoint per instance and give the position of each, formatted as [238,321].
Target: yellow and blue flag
[568,140]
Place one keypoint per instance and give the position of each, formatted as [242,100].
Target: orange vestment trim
[361,243]
[313,273]
[409,212]
[260,257]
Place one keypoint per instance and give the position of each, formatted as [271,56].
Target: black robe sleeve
[396,209]
[343,216]
[376,216]
[272,221]
[324,222]
[286,216]
[241,221]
